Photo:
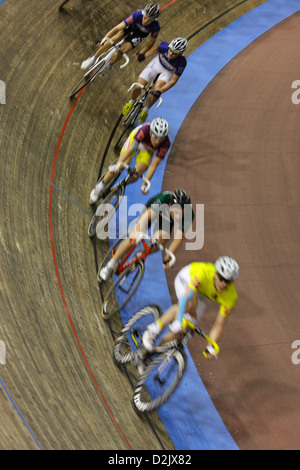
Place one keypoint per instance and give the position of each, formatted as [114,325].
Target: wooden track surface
[59,371]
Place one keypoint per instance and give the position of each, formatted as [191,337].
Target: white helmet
[227,268]
[159,127]
[178,45]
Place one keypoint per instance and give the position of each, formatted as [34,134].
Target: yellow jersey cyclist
[134,28]
[194,284]
[169,64]
[150,143]
[169,215]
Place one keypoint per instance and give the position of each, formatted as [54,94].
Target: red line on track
[57,271]
[168,4]
[55,261]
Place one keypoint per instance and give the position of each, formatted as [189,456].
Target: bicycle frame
[106,56]
[142,254]
[148,88]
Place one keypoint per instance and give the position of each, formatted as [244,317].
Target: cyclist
[134,28]
[167,212]
[150,143]
[194,284]
[169,64]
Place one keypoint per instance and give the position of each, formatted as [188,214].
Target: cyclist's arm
[218,327]
[189,296]
[152,168]
[121,26]
[142,224]
[148,46]
[174,246]
[151,52]
[170,84]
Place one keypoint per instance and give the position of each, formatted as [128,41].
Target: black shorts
[133,36]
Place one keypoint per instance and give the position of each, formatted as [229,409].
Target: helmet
[178,45]
[159,127]
[152,10]
[181,197]
[227,268]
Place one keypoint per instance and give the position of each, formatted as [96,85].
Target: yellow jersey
[202,282]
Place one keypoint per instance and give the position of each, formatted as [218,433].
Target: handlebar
[144,236]
[124,165]
[214,345]
[135,84]
[142,86]
[117,47]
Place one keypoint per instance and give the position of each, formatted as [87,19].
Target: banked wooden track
[59,387]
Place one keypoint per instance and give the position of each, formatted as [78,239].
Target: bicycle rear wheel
[104,212]
[122,290]
[130,340]
[159,380]
[129,122]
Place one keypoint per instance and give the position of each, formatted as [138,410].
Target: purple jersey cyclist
[134,29]
[168,63]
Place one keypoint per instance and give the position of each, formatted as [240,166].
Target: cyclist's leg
[170,316]
[125,48]
[126,155]
[134,96]
[163,78]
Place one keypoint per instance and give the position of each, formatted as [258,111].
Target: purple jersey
[143,136]
[134,24]
[177,65]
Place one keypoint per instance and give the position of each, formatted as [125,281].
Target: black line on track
[99,174]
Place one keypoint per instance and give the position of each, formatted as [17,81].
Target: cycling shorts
[133,37]
[156,68]
[143,155]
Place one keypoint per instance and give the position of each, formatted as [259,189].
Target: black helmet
[181,197]
[152,10]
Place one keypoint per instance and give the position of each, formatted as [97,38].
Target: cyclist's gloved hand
[166,264]
[141,57]
[144,188]
[210,352]
[156,93]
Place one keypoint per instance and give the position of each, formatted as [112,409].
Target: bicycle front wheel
[88,78]
[159,380]
[83,83]
[123,289]
[104,212]
[130,338]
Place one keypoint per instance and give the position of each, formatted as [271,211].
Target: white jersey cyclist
[169,64]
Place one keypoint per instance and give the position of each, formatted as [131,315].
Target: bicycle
[129,272]
[100,66]
[164,366]
[131,117]
[112,199]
